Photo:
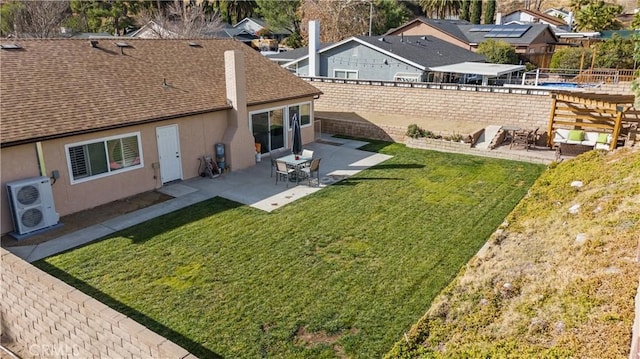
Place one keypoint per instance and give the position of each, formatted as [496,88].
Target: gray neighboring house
[383,58]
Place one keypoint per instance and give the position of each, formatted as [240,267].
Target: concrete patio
[253,187]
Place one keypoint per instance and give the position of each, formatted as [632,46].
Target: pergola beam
[602,111]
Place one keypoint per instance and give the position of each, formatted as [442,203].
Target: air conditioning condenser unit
[31,203]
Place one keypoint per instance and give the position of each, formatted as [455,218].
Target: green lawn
[345,271]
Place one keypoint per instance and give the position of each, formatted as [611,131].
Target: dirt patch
[310,340]
[89,217]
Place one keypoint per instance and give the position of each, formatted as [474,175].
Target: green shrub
[415,131]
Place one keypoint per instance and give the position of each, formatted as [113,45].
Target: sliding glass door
[268,129]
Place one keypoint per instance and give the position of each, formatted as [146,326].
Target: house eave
[312,94]
[110,127]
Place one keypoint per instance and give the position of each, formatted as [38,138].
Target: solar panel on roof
[512,31]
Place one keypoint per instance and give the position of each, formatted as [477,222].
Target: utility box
[220,156]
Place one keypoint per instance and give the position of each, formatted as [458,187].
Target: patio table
[291,161]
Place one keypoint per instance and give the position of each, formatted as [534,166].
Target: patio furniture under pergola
[591,111]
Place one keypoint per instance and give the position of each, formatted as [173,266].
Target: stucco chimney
[499,18]
[238,140]
[314,45]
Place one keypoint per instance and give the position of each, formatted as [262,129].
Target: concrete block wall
[43,317]
[362,129]
[482,107]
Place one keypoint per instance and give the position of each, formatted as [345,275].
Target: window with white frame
[102,157]
[345,74]
[303,112]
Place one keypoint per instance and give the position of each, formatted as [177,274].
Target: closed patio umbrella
[296,145]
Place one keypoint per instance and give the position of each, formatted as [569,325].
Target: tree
[598,16]
[464,10]
[635,24]
[282,15]
[440,9]
[498,52]
[239,9]
[339,19]
[389,14]
[489,11]
[615,52]
[38,19]
[9,12]
[476,11]
[571,58]
[182,20]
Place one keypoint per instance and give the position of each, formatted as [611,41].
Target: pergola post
[616,128]
[551,117]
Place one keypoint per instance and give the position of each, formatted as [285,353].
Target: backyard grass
[341,273]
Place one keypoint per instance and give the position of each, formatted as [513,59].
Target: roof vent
[94,43]
[122,45]
[194,44]
[10,47]
[381,39]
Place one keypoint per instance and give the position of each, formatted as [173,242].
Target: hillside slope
[558,279]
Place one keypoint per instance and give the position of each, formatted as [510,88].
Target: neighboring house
[259,28]
[524,16]
[533,42]
[111,118]
[284,57]
[563,14]
[153,30]
[384,58]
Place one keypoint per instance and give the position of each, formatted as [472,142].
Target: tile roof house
[111,119]
[533,42]
[385,58]
[525,16]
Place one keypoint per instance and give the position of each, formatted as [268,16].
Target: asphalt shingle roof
[296,53]
[56,87]
[427,51]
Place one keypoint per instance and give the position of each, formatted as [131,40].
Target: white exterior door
[169,153]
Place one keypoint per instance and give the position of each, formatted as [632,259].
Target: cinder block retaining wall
[43,317]
[460,103]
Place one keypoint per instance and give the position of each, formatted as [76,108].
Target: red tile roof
[56,87]
[542,16]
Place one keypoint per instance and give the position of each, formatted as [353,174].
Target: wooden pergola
[582,110]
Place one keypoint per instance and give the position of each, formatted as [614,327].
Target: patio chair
[521,137]
[283,171]
[533,138]
[274,155]
[314,167]
[307,153]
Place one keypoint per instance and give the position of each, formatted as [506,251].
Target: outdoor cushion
[576,135]
[603,138]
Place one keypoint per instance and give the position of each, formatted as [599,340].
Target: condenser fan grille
[27,195]
[32,217]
